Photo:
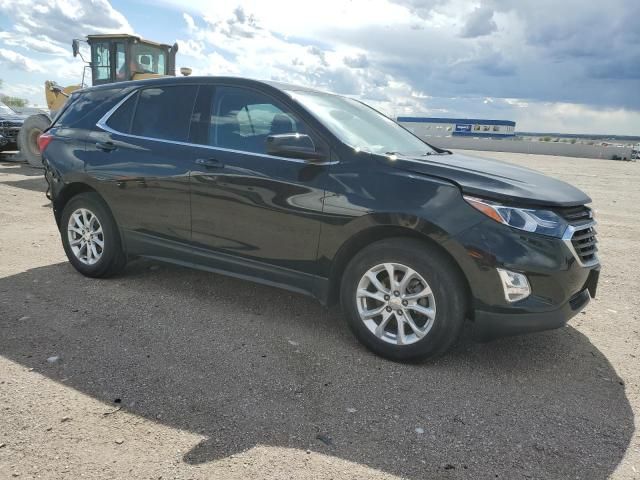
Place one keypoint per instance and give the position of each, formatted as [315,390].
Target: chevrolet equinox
[323,195]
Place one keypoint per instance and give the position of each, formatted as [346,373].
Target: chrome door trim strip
[102,124]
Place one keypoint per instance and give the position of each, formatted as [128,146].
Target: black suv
[322,195]
[10,124]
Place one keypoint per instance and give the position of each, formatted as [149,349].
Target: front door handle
[106,146]
[209,163]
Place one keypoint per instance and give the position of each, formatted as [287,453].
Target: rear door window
[164,112]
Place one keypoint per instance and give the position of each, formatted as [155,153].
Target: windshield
[6,110]
[360,126]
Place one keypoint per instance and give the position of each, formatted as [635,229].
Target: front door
[257,207]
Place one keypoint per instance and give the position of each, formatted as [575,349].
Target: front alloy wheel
[396,303]
[389,291]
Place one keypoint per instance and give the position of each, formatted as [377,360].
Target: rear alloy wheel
[86,237]
[405,299]
[90,236]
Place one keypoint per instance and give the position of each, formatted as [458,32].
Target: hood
[9,115]
[493,179]
[12,117]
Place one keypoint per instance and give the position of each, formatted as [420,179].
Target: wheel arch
[73,189]
[67,193]
[366,237]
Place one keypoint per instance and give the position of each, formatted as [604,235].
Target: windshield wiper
[444,152]
[425,154]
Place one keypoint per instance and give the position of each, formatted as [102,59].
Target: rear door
[140,162]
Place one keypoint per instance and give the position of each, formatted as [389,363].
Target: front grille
[9,124]
[584,244]
[9,130]
[580,235]
[575,214]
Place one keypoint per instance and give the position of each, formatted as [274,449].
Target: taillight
[44,140]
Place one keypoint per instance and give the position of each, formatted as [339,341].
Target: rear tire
[430,305]
[28,136]
[90,237]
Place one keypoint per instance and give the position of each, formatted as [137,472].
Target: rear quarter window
[121,119]
[86,108]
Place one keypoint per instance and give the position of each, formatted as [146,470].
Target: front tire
[404,299]
[90,237]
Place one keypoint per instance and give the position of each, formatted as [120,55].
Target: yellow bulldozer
[114,58]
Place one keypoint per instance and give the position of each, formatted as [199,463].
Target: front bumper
[560,286]
[489,325]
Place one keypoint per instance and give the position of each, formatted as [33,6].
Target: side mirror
[75,47]
[292,145]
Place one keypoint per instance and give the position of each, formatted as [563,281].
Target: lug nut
[399,312]
[405,303]
[387,297]
[396,293]
[388,309]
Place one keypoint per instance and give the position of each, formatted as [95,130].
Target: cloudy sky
[569,65]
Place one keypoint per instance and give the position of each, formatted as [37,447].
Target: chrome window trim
[568,235]
[102,124]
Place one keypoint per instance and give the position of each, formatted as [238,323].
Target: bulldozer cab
[114,58]
[119,58]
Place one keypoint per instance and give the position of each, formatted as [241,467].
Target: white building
[458,127]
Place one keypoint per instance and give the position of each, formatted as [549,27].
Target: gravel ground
[165,372]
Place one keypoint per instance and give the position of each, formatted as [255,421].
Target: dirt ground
[165,372]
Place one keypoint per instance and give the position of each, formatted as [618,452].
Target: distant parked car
[10,124]
[322,195]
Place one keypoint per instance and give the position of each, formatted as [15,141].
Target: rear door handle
[106,146]
[209,163]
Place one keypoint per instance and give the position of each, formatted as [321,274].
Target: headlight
[544,222]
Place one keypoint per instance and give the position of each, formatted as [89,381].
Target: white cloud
[17,61]
[479,23]
[236,42]
[302,19]
[481,58]
[575,118]
[21,90]
[39,43]
[48,26]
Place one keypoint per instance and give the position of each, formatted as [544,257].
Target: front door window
[101,62]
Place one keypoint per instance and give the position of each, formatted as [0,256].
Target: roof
[126,35]
[166,80]
[457,121]
[291,87]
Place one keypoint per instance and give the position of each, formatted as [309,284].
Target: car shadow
[19,167]
[34,184]
[246,365]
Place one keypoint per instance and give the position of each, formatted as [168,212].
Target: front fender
[393,202]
